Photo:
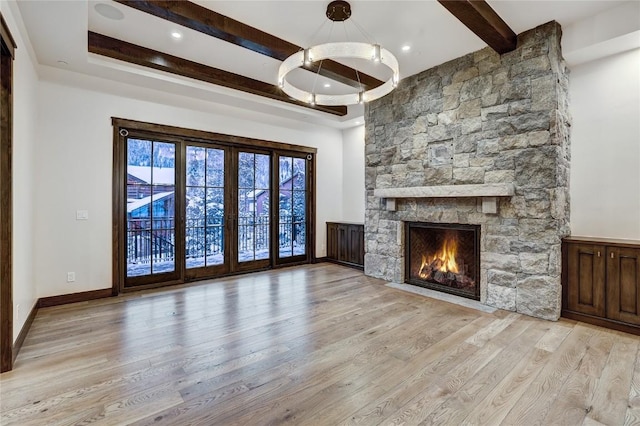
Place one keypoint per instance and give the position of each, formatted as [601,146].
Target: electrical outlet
[71,277]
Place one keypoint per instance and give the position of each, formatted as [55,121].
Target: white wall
[25,101]
[74,170]
[605,147]
[353,202]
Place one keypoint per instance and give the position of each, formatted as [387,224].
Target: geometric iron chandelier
[339,11]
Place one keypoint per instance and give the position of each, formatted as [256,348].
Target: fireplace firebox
[443,257]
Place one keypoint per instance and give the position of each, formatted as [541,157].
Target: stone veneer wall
[481,118]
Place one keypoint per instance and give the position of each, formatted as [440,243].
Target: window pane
[214,226]
[285,231]
[215,167]
[195,166]
[299,207]
[138,247]
[163,163]
[285,172]
[194,227]
[246,169]
[246,250]
[285,202]
[263,171]
[262,227]
[299,222]
[299,173]
[163,230]
[194,241]
[138,153]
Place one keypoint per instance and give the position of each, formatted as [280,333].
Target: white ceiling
[58,29]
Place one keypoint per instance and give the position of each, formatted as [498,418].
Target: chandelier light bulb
[376,53]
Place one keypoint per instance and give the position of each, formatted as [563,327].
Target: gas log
[432,272]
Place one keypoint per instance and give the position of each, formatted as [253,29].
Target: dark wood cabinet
[601,282]
[345,243]
[586,275]
[623,284]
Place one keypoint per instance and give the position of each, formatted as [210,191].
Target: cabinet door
[332,241]
[355,244]
[586,279]
[343,243]
[623,284]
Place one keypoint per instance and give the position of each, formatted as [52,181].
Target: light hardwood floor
[317,345]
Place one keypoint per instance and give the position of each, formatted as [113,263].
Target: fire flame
[444,259]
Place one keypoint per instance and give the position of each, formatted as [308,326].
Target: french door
[202,209]
[227,210]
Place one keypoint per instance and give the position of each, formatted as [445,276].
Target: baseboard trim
[17,345]
[349,264]
[602,322]
[84,296]
[320,259]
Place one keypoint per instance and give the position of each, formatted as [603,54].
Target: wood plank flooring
[314,345]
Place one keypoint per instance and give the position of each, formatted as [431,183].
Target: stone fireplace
[480,141]
[443,257]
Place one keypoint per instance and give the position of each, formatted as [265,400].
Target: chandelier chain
[355,67]
[315,80]
[364,33]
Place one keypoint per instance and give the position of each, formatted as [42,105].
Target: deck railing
[146,243]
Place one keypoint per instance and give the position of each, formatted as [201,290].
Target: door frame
[309,210]
[172,277]
[169,133]
[8,46]
[194,274]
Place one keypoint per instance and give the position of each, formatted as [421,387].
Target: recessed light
[327,85]
[109,11]
[176,35]
[406,48]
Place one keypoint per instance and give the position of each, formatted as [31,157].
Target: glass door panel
[205,207]
[254,183]
[151,208]
[292,206]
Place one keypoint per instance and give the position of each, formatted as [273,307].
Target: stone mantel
[488,192]
[442,191]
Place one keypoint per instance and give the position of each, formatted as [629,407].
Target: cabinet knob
[612,255]
[598,254]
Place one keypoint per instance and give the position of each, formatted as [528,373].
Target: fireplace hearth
[444,257]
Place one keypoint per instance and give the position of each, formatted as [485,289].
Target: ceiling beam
[480,18]
[207,21]
[128,52]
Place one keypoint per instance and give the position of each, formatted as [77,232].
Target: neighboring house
[261,197]
[139,188]
[162,203]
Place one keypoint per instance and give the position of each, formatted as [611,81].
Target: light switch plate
[82,215]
